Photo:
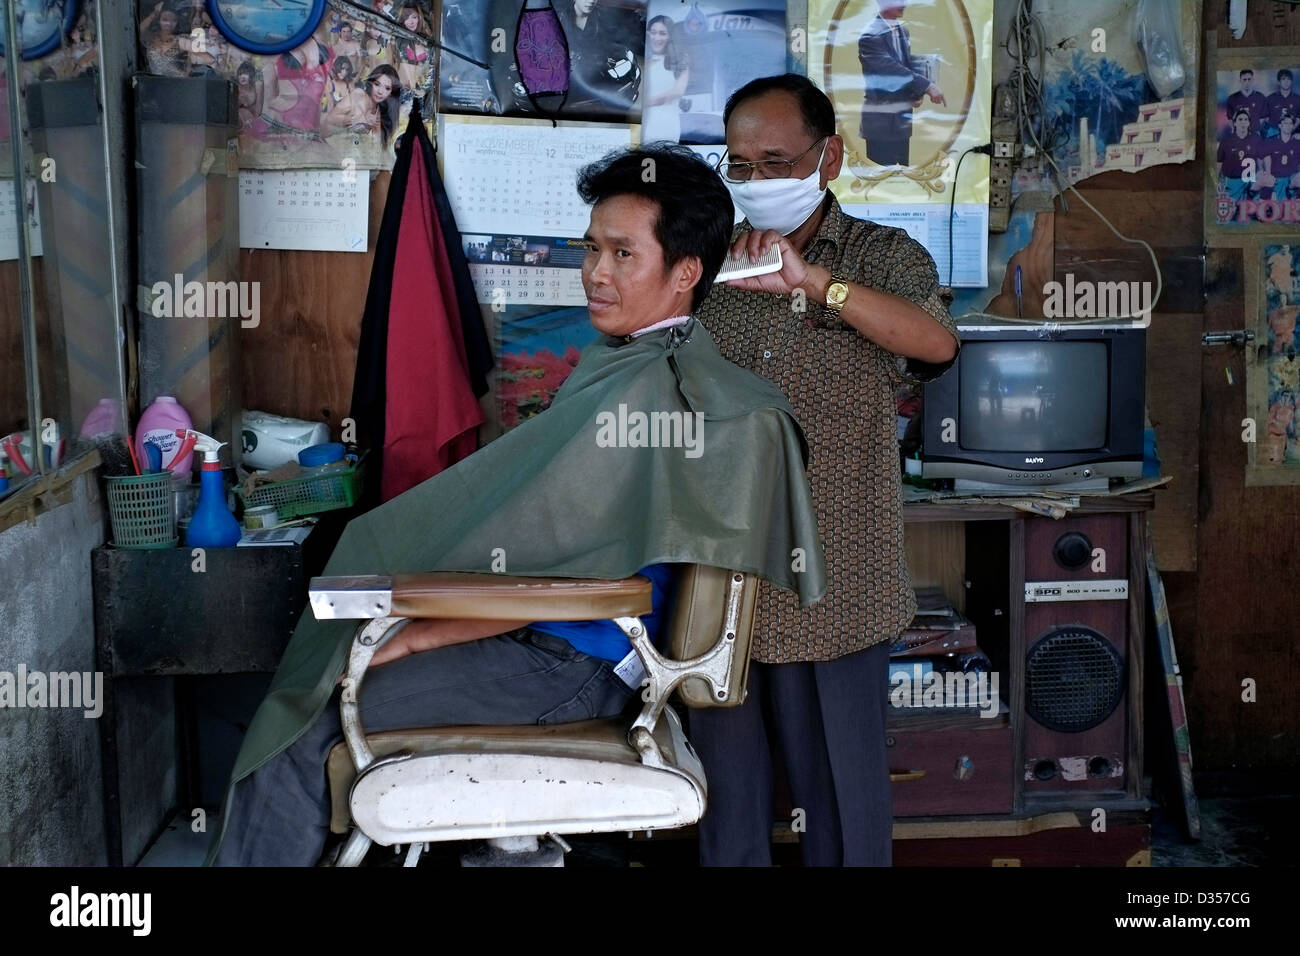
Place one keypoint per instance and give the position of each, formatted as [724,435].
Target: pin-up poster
[343,93]
[697,54]
[1253,146]
[910,82]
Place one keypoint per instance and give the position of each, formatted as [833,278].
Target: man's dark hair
[1245,71]
[818,114]
[1242,112]
[1284,74]
[695,210]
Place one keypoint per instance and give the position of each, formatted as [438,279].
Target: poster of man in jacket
[895,80]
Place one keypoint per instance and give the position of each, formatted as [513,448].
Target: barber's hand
[413,638]
[794,271]
[936,95]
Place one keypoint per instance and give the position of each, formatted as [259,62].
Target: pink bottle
[104,419]
[160,422]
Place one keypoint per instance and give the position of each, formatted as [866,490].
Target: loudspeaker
[1076,654]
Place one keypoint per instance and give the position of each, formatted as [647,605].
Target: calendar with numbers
[321,209]
[513,189]
[526,270]
[9,222]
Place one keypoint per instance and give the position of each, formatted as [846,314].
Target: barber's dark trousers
[280,814]
[828,720]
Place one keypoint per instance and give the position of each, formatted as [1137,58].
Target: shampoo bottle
[213,526]
[161,422]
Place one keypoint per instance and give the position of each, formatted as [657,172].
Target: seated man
[655,451]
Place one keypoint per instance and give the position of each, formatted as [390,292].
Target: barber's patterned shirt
[842,388]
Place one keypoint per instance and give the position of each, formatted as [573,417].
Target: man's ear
[834,160]
[687,273]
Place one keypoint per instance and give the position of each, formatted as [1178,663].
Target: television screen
[1025,396]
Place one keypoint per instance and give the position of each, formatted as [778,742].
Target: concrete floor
[1235,831]
[1257,830]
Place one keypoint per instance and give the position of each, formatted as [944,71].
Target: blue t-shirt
[603,639]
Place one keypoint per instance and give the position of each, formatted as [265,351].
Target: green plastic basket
[305,496]
[142,511]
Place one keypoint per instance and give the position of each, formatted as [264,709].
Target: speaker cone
[1074,679]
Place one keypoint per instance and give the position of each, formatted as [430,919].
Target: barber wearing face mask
[854,310]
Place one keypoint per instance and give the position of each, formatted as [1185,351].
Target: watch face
[41,24]
[836,293]
[266,26]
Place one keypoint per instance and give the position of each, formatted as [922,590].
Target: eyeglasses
[771,168]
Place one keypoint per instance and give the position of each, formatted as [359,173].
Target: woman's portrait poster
[343,93]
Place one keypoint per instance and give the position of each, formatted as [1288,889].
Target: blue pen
[1019,311]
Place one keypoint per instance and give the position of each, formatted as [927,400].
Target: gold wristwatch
[837,293]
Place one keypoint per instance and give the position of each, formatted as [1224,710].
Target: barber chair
[516,785]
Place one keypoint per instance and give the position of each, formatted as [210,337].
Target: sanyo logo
[1033,461]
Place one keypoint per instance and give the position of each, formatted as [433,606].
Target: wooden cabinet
[1059,609]
[954,765]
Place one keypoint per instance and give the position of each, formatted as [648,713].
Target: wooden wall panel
[1174,407]
[1268,23]
[1169,219]
[301,358]
[13,380]
[13,383]
[1246,622]
[936,557]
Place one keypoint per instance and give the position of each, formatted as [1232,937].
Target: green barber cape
[655,450]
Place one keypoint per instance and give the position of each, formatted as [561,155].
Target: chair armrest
[387,604]
[717,666]
[470,596]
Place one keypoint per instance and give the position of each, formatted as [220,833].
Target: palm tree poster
[1118,89]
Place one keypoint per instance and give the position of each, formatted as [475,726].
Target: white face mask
[780,204]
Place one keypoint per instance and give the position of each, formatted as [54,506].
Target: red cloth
[431,415]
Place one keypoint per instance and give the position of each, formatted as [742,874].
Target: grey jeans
[281,814]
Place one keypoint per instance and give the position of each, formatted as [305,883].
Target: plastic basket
[305,496]
[142,511]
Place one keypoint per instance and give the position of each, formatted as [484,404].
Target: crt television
[1024,407]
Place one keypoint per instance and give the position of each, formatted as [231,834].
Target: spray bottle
[213,526]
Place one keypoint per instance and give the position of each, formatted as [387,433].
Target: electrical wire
[1026,32]
[987,148]
[952,210]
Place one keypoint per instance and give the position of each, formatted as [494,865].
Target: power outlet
[1000,173]
[1002,162]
